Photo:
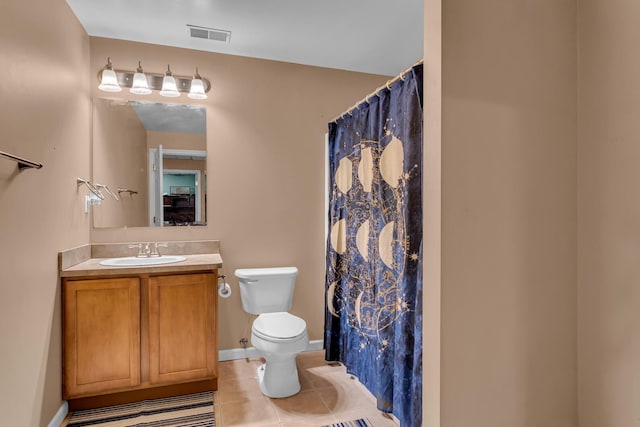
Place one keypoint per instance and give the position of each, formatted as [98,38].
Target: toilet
[278,335]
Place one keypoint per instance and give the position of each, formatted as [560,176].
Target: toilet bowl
[278,335]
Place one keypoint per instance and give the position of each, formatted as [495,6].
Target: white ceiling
[159,117]
[373,36]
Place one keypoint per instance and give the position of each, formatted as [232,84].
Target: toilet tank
[266,290]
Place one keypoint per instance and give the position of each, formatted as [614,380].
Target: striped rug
[362,422]
[193,410]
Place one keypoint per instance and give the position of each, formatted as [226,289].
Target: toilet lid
[279,325]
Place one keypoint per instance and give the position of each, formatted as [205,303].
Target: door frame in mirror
[156,181]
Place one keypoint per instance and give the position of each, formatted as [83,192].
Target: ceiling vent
[209,33]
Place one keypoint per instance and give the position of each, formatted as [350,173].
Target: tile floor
[328,396]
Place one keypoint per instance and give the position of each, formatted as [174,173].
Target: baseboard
[59,417]
[315,345]
[251,352]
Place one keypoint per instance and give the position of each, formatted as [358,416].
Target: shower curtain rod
[377,91]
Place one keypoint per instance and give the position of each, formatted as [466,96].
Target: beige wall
[266,122]
[45,116]
[508,338]
[609,214]
[432,214]
[119,154]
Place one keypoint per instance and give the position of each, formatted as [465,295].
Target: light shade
[140,86]
[169,87]
[197,89]
[109,81]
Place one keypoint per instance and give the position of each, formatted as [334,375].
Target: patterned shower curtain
[373,316]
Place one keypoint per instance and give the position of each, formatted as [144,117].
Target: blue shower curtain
[373,316]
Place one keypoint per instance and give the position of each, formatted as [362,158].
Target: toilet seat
[279,327]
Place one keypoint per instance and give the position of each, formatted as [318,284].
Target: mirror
[153,157]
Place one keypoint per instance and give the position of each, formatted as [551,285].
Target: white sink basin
[132,261]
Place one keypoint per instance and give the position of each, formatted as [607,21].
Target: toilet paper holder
[224,290]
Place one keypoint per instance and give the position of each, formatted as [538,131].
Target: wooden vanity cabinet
[181,328]
[101,335]
[138,337]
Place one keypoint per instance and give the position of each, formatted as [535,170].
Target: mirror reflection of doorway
[176,196]
[181,197]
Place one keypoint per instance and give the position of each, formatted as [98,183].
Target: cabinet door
[101,331]
[182,328]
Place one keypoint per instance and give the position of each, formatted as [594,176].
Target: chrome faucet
[155,248]
[144,251]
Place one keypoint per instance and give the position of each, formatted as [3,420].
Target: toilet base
[279,378]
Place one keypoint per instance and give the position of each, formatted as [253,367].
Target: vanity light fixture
[197,87]
[169,88]
[108,79]
[141,83]
[140,86]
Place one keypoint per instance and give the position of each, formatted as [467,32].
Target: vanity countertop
[92,267]
[84,261]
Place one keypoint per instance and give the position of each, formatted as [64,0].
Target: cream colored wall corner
[45,116]
[432,218]
[266,122]
[509,213]
[608,214]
